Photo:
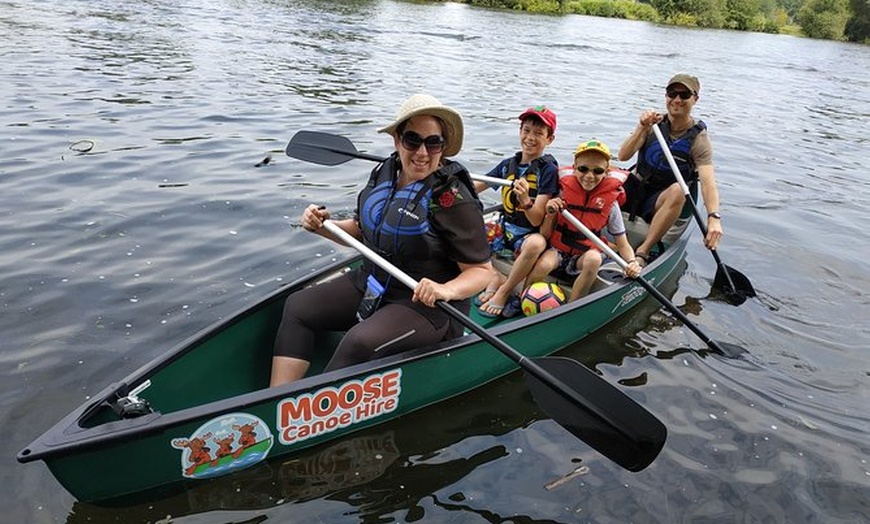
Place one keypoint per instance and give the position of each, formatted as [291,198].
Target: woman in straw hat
[419,210]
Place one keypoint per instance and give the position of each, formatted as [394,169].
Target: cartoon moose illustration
[225,447]
[199,453]
[248,437]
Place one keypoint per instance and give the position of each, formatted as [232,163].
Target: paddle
[327,149]
[723,348]
[733,283]
[589,407]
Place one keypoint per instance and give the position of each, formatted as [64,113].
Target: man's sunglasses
[684,95]
[598,171]
[412,142]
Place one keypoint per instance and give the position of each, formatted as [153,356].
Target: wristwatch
[714,214]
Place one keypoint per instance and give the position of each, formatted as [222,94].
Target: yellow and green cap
[593,145]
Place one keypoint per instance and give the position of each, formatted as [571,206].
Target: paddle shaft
[643,282]
[685,188]
[524,362]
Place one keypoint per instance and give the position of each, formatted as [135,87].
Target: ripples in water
[157,223]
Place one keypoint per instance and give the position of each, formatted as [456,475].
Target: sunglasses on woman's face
[684,95]
[412,142]
[597,171]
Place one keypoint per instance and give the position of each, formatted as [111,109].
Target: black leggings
[332,306]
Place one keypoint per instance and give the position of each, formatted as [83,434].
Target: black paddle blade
[322,148]
[729,350]
[641,435]
[742,286]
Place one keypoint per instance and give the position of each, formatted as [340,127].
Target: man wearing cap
[420,211]
[535,179]
[653,192]
[592,197]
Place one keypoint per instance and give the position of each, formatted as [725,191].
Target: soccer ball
[541,296]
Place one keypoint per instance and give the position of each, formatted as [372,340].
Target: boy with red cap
[592,197]
[535,179]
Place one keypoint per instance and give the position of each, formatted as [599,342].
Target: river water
[133,215]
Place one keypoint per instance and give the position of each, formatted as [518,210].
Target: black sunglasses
[412,142]
[595,170]
[684,95]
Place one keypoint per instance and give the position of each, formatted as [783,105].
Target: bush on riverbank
[628,9]
[829,19]
[824,18]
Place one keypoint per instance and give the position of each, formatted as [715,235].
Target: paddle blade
[633,437]
[742,288]
[321,148]
[730,350]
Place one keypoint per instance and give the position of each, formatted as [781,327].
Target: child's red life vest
[612,172]
[592,208]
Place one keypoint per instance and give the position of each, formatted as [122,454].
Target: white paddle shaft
[350,240]
[667,151]
[591,236]
[492,180]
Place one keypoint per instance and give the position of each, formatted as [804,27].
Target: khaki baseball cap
[689,81]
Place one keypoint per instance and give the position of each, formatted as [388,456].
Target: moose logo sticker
[224,444]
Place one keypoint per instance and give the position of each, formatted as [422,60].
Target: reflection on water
[134,215]
[343,465]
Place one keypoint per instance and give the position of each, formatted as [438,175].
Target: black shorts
[567,269]
[640,200]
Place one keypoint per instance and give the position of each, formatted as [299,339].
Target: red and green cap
[542,113]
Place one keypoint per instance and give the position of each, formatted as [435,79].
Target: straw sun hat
[421,104]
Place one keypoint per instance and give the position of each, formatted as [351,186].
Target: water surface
[133,215]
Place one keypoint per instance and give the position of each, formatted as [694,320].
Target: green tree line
[828,19]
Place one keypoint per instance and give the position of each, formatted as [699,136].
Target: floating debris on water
[580,470]
[807,423]
[82,146]
[264,162]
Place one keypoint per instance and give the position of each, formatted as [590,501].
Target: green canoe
[203,409]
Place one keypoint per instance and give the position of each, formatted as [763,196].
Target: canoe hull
[213,413]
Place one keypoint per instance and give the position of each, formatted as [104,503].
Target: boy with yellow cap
[591,196]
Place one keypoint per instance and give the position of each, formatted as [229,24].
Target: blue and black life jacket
[652,164]
[395,223]
[511,210]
